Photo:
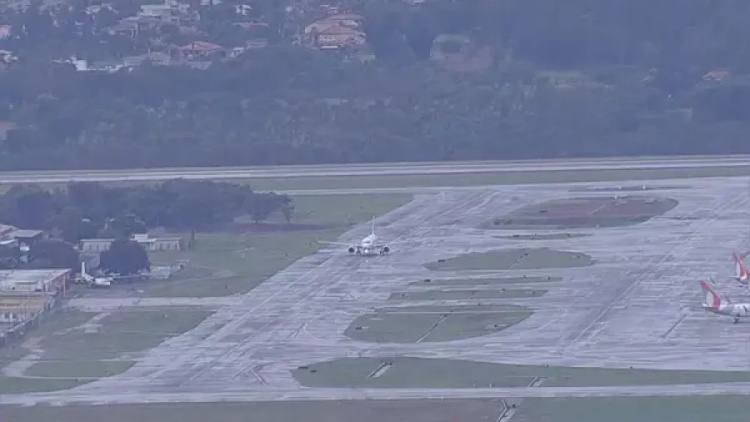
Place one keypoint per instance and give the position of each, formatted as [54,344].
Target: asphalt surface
[346,170]
[638,306]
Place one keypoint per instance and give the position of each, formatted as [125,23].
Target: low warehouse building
[151,244]
[26,293]
[47,280]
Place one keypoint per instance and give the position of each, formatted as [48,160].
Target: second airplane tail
[711,299]
[741,273]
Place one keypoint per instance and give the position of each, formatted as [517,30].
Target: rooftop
[4,228]
[26,234]
[10,277]
[200,46]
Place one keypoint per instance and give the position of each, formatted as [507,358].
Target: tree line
[88,210]
[124,257]
[535,79]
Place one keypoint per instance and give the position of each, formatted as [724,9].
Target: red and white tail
[712,299]
[741,273]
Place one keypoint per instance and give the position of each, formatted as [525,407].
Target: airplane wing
[398,242]
[334,243]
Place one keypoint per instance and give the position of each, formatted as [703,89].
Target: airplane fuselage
[369,241]
[369,246]
[735,310]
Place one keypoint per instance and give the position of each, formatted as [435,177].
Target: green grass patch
[512,259]
[121,333]
[467,294]
[71,349]
[631,188]
[482,282]
[550,236]
[55,322]
[407,372]
[240,260]
[461,180]
[577,213]
[78,369]
[424,324]
[636,409]
[13,385]
[497,178]
[424,410]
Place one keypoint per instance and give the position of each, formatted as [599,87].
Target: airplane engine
[386,249]
[351,249]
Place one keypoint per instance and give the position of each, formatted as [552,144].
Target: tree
[125,226]
[27,207]
[52,253]
[73,226]
[124,257]
[10,257]
[261,206]
[286,207]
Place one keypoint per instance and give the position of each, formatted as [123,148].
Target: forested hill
[445,80]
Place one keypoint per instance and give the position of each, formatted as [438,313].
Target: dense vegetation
[124,257]
[86,210]
[519,79]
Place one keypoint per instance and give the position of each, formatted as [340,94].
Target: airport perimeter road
[392,169]
[680,390]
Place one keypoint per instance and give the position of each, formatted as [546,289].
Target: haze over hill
[236,82]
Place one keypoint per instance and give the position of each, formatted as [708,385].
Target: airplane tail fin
[712,299]
[83,269]
[372,225]
[741,272]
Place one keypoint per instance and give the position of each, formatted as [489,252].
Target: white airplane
[95,281]
[367,246]
[715,304]
[741,273]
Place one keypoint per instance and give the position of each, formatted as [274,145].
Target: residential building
[7,58]
[339,36]
[6,127]
[128,27]
[348,20]
[5,230]
[717,75]
[94,9]
[26,238]
[201,51]
[169,11]
[336,31]
[5,32]
[155,58]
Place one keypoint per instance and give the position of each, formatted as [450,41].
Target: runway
[386,169]
[336,394]
[634,307]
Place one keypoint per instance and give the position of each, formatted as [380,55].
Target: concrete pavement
[333,394]
[633,308]
[385,169]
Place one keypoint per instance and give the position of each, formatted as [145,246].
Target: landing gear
[736,320]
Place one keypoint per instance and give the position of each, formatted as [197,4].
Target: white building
[50,280]
[151,244]
[25,293]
